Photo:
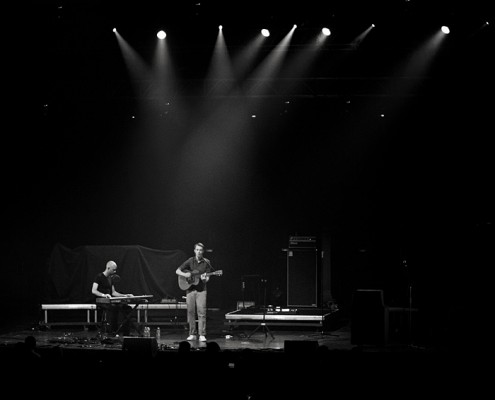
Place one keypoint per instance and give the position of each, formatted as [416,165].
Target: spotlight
[114,30]
[161,35]
[445,29]
[265,32]
[326,31]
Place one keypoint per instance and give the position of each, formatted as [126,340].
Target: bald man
[104,286]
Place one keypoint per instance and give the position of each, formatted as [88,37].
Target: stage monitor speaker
[302,278]
[300,346]
[140,346]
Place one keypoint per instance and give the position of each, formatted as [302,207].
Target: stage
[232,330]
[72,328]
[248,362]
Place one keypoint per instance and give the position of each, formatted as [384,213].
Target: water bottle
[158,333]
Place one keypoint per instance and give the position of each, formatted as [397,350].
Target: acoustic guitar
[186,283]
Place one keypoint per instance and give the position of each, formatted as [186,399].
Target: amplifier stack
[302,271]
[302,242]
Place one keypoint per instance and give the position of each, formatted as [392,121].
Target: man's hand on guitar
[205,277]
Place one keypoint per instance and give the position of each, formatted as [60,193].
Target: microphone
[208,262]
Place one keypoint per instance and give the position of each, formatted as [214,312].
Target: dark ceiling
[325,161]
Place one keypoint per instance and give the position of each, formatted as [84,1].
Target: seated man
[118,314]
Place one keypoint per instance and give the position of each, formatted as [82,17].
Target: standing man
[193,276]
[104,286]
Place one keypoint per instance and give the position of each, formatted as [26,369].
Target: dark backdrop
[142,271]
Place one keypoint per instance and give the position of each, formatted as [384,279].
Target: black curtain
[143,271]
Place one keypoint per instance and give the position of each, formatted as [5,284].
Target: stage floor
[232,330]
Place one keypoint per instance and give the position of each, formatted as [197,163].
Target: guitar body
[186,283]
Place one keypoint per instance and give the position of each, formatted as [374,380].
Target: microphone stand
[243,288]
[263,324]
[409,311]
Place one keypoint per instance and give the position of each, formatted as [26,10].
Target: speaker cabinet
[300,346]
[140,346]
[302,277]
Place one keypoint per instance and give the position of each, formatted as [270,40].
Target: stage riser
[89,314]
[313,317]
[237,324]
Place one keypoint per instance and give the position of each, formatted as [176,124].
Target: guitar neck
[208,273]
[217,273]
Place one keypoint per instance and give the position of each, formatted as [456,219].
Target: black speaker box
[300,346]
[302,278]
[140,346]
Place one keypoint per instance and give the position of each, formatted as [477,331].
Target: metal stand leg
[128,321]
[263,325]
